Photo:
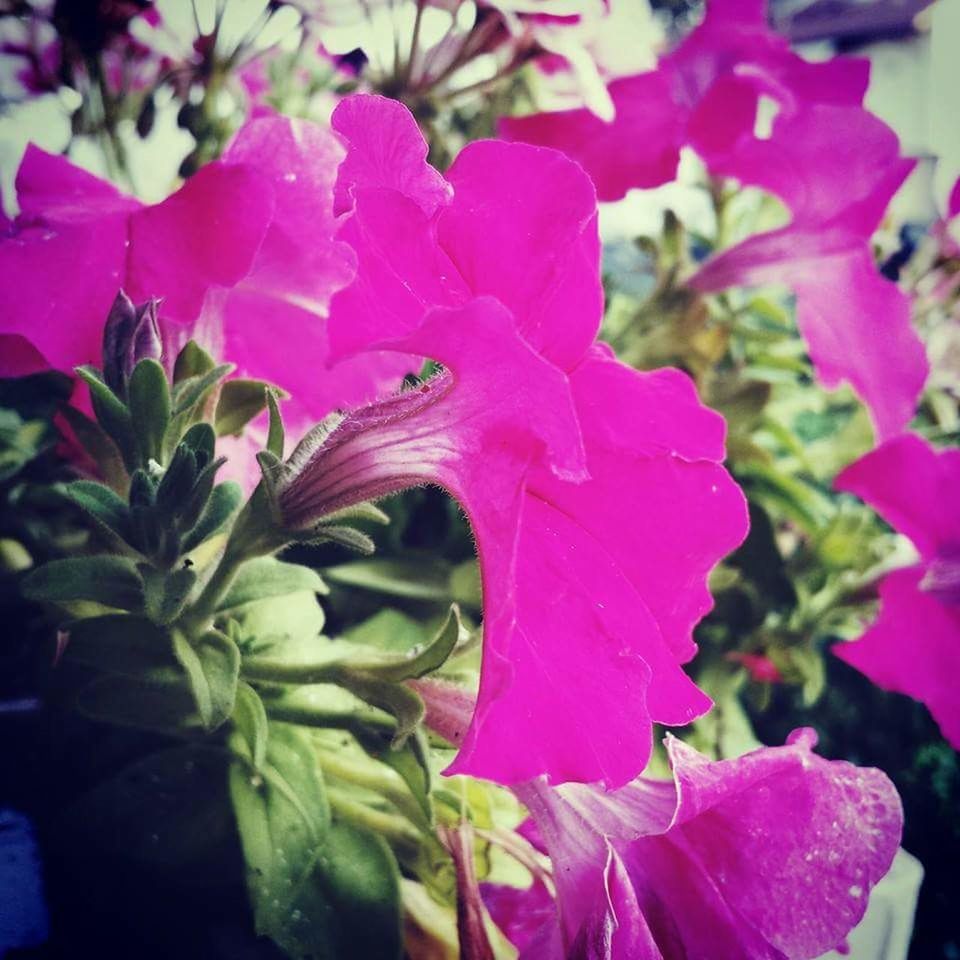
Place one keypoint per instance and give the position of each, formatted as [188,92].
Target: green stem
[393,828]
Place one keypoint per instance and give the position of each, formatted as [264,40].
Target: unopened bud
[131,334]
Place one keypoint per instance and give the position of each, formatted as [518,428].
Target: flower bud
[131,334]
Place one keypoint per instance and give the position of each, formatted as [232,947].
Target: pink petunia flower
[768,856]
[595,492]
[832,163]
[242,256]
[913,647]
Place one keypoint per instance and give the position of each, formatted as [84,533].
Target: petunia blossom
[768,856]
[833,164]
[242,257]
[595,492]
[913,647]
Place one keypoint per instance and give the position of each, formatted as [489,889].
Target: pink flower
[913,647]
[595,492]
[249,237]
[760,667]
[765,857]
[832,163]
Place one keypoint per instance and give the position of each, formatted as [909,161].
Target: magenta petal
[51,186]
[856,322]
[767,856]
[913,648]
[913,487]
[57,282]
[522,227]
[401,273]
[795,842]
[298,262]
[202,235]
[619,562]
[639,148]
[386,149]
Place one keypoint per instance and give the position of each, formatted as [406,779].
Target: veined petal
[767,856]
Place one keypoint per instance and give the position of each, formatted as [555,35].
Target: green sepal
[224,501]
[119,643]
[108,580]
[202,440]
[402,703]
[149,402]
[193,392]
[177,482]
[200,495]
[419,660]
[165,594]
[275,432]
[103,505]
[347,537]
[239,402]
[192,361]
[212,665]
[265,577]
[112,415]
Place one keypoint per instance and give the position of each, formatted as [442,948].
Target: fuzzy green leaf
[149,396]
[108,580]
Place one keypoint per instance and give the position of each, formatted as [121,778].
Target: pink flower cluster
[832,163]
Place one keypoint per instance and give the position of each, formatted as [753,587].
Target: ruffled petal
[619,563]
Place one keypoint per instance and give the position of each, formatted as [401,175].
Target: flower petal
[913,647]
[912,486]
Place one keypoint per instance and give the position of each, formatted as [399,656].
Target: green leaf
[104,452]
[212,665]
[120,643]
[389,630]
[112,415]
[149,396]
[166,593]
[108,580]
[275,435]
[287,628]
[202,440]
[250,720]
[267,577]
[160,700]
[223,503]
[283,818]
[107,509]
[415,580]
[192,361]
[240,401]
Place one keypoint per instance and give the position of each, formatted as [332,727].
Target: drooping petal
[913,647]
[913,487]
[836,169]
